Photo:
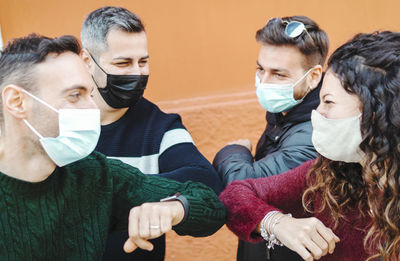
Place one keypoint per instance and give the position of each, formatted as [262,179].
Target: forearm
[235,162]
[248,201]
[184,162]
[245,210]
[206,213]
[207,176]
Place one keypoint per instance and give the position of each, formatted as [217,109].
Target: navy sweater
[155,143]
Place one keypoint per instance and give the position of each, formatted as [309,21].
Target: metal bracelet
[263,228]
[267,232]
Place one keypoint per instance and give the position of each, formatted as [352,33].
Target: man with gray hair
[133,129]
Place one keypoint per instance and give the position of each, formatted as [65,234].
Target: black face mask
[122,91]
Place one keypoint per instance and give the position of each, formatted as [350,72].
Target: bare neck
[111,115]
[24,159]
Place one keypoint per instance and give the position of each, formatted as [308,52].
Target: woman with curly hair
[345,205]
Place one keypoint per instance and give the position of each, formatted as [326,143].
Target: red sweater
[248,201]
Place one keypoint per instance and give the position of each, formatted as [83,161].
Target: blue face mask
[79,131]
[277,97]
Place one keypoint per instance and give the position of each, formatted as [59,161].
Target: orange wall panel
[204,47]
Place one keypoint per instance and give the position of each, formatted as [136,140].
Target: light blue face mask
[79,131]
[278,97]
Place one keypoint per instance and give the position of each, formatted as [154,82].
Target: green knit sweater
[69,215]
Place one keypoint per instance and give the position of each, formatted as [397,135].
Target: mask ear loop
[94,60]
[42,102]
[33,129]
[95,82]
[301,79]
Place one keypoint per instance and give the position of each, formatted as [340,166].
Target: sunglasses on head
[293,29]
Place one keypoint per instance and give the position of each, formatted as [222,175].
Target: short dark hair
[315,50]
[100,22]
[20,55]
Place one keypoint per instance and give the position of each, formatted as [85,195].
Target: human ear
[14,101]
[315,76]
[86,58]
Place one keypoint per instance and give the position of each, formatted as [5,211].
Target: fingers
[243,142]
[309,237]
[302,251]
[129,246]
[148,221]
[134,242]
[321,243]
[315,250]
[337,239]
[166,222]
[155,227]
[144,224]
[138,229]
[328,236]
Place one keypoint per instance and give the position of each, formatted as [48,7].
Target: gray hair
[100,22]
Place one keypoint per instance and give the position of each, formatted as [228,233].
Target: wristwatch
[185,203]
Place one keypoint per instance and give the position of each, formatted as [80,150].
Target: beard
[45,122]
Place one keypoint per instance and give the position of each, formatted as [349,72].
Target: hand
[151,220]
[243,142]
[308,237]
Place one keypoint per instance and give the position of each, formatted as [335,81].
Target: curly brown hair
[368,66]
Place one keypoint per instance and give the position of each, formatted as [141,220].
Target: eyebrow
[326,95]
[129,59]
[74,87]
[275,69]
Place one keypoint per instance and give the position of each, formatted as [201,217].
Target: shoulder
[296,176]
[157,117]
[98,167]
[299,134]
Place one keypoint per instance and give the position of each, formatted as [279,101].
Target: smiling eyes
[122,64]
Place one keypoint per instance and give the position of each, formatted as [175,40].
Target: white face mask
[78,137]
[277,97]
[337,139]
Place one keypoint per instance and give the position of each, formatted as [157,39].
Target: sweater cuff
[195,223]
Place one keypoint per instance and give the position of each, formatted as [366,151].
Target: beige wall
[203,59]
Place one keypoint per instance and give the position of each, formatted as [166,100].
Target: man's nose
[264,78]
[135,69]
